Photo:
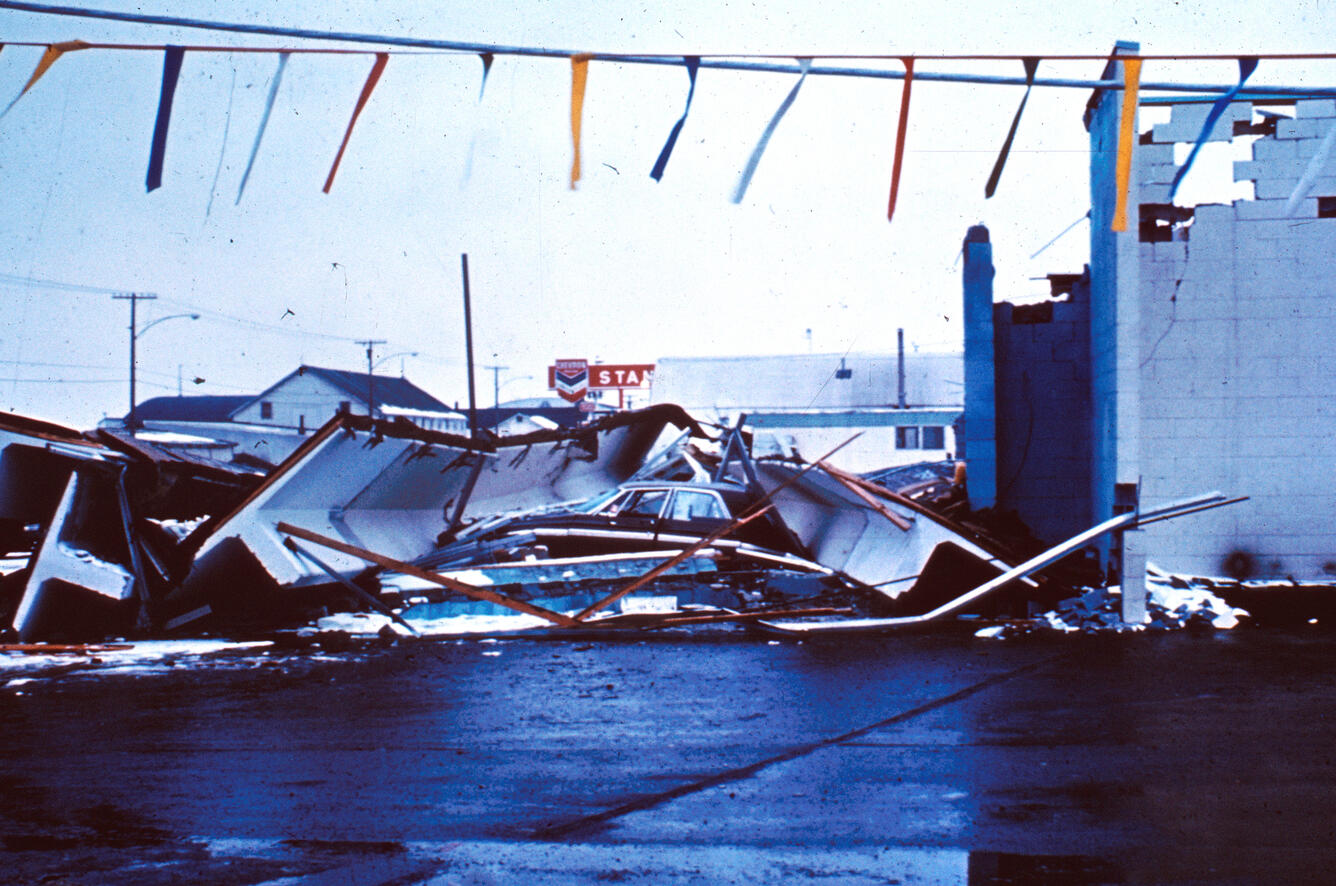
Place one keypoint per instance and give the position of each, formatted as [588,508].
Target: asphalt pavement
[937,758]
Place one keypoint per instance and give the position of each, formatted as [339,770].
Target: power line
[16,280]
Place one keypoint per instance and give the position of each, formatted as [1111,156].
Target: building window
[927,437]
[266,409]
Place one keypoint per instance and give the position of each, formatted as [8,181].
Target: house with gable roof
[309,395]
[268,426]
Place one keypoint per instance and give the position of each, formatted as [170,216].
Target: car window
[647,502]
[604,502]
[689,505]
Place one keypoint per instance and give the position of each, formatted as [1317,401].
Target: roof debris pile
[82,513]
[382,527]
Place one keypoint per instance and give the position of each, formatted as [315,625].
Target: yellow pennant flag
[53,52]
[579,75]
[1126,138]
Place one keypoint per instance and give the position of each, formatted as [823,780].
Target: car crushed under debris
[638,520]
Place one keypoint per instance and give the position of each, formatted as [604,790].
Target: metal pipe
[675,60]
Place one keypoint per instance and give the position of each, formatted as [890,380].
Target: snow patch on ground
[146,656]
[372,624]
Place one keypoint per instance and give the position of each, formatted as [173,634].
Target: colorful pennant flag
[900,131]
[222,150]
[264,123]
[1122,171]
[487,59]
[1247,65]
[1311,172]
[1031,66]
[382,58]
[693,65]
[805,65]
[579,77]
[49,57]
[171,72]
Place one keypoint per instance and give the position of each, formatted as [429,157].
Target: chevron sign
[570,378]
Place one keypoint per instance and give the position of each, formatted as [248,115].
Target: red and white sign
[604,376]
[570,379]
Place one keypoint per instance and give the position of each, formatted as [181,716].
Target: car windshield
[595,504]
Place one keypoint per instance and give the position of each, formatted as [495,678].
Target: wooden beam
[689,551]
[840,477]
[417,572]
[748,616]
[361,593]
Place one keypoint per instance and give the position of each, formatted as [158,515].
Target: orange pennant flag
[579,75]
[49,57]
[374,77]
[900,131]
[1126,138]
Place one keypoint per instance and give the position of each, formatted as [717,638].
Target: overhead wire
[725,60]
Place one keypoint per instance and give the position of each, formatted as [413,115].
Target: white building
[268,426]
[1195,356]
[811,403]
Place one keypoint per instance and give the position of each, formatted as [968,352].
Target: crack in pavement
[584,822]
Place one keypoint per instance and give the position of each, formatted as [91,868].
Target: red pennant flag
[372,79]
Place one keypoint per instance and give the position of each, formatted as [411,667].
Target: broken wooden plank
[749,616]
[686,553]
[63,648]
[409,569]
[360,593]
[843,479]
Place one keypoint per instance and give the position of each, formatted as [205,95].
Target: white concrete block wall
[1237,358]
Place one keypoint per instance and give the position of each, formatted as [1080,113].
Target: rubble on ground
[1172,603]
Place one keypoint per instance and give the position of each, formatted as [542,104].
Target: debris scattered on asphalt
[1169,607]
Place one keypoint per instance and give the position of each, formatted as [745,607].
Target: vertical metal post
[900,349]
[496,383]
[468,346]
[134,423]
[132,420]
[371,374]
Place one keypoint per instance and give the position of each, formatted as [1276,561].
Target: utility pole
[468,346]
[370,375]
[496,383]
[134,298]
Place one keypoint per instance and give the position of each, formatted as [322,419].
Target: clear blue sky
[622,269]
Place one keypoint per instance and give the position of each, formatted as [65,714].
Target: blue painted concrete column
[980,403]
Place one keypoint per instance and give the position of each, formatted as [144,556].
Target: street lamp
[371,373]
[134,298]
[392,356]
[508,381]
